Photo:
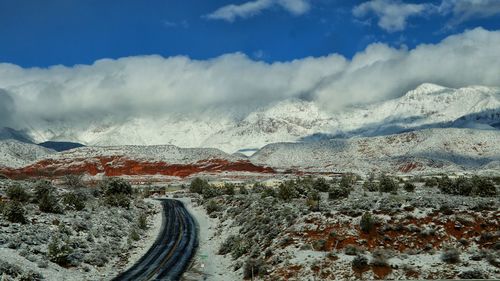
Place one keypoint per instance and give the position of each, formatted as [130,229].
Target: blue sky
[69,32]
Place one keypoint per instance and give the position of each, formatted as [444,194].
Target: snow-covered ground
[208,265]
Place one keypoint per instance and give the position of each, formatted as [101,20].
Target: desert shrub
[321,185]
[253,268]
[352,250]
[118,200]
[483,187]
[134,235]
[366,223]
[14,212]
[387,184]
[227,245]
[210,192]
[49,203]
[59,251]
[198,185]
[243,190]
[142,221]
[445,184]
[370,185]
[74,200]
[17,193]
[115,186]
[347,181]
[96,258]
[212,207]
[450,255]
[42,188]
[431,182]
[287,191]
[339,192]
[228,188]
[379,258]
[319,245]
[268,192]
[73,181]
[472,274]
[313,199]
[359,262]
[409,187]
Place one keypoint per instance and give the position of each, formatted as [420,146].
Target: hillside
[430,150]
[15,154]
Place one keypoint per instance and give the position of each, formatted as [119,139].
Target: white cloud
[157,86]
[463,10]
[252,8]
[392,14]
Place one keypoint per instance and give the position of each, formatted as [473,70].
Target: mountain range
[430,128]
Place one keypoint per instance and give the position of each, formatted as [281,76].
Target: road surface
[172,251]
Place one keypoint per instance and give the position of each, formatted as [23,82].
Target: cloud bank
[156,86]
[252,8]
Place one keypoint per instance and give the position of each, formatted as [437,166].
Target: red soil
[120,166]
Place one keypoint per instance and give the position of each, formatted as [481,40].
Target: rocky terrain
[346,229]
[64,232]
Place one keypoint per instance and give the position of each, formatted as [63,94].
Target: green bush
[347,181]
[475,186]
[17,193]
[142,221]
[73,181]
[198,185]
[450,255]
[387,184]
[339,192]
[370,185]
[48,203]
[367,223]
[254,268]
[409,187]
[42,189]
[134,235]
[210,192]
[115,186]
[74,200]
[212,206]
[14,212]
[268,192]
[359,262]
[118,200]
[321,185]
[431,182]
[228,188]
[59,252]
[287,191]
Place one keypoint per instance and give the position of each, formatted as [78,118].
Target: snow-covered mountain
[427,106]
[428,151]
[15,154]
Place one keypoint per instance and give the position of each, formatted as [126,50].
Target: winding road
[172,251]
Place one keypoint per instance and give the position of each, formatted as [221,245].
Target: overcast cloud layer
[153,85]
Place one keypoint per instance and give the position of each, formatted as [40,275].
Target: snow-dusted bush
[17,193]
[450,255]
[366,223]
[14,212]
[359,262]
[74,200]
[198,185]
[59,251]
[339,192]
[387,184]
[409,187]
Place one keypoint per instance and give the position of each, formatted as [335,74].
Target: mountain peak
[425,89]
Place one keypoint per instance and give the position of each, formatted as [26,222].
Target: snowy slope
[15,154]
[428,149]
[427,106]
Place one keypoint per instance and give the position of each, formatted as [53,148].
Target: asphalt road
[172,251]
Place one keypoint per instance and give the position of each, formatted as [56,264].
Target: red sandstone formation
[122,166]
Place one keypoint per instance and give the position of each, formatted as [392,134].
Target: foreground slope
[431,150]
